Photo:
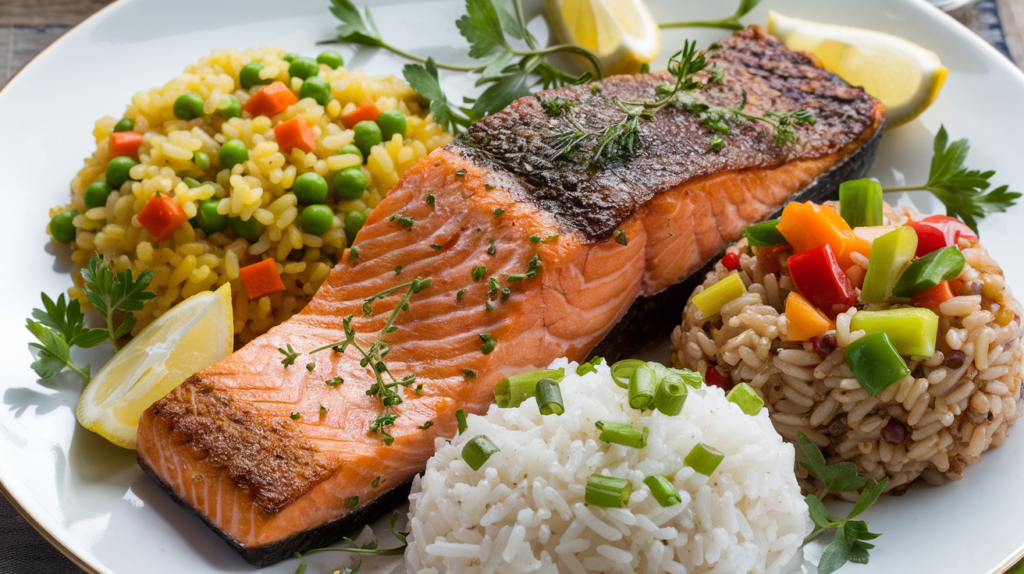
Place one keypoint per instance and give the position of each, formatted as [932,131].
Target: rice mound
[931,424]
[524,510]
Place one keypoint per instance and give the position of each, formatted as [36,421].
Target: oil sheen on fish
[277,461]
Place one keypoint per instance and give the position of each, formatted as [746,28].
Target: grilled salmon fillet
[277,460]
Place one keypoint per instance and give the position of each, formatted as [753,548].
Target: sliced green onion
[624,369]
[703,459]
[590,366]
[711,300]
[460,417]
[607,491]
[746,397]
[510,392]
[663,491]
[619,433]
[643,383]
[477,451]
[671,395]
[549,397]
[689,377]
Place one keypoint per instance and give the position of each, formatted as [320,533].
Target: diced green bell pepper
[860,202]
[875,363]
[764,234]
[911,330]
[928,271]
[711,300]
[890,255]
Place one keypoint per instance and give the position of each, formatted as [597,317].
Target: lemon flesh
[621,33]
[905,77]
[191,336]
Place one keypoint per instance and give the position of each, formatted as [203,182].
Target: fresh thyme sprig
[729,22]
[373,357]
[371,548]
[722,119]
[963,191]
[116,292]
[849,544]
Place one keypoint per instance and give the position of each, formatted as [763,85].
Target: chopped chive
[643,384]
[505,293]
[459,295]
[510,392]
[311,367]
[323,410]
[549,397]
[431,199]
[353,254]
[671,395]
[607,491]
[419,389]
[403,220]
[352,502]
[625,369]
[492,285]
[535,238]
[620,237]
[619,433]
[436,246]
[334,382]
[663,491]
[376,482]
[551,239]
[398,270]
[489,343]
[426,425]
[516,277]
[469,373]
[488,186]
[460,173]
[498,212]
[477,451]
[478,272]
[717,143]
[703,459]
[492,250]
[296,416]
[746,398]
[460,417]
[488,307]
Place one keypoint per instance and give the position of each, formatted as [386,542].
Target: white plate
[90,498]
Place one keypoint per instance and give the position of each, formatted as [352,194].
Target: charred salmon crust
[542,257]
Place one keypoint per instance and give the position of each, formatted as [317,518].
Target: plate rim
[1006,66]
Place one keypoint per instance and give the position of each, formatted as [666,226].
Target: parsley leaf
[353,28]
[67,318]
[835,478]
[424,79]
[113,292]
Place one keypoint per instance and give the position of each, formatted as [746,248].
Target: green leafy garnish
[963,191]
[290,355]
[729,23]
[116,292]
[425,81]
[838,477]
[371,548]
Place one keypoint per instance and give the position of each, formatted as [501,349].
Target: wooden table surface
[28,26]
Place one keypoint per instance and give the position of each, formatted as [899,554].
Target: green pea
[354,221]
[190,182]
[391,122]
[303,68]
[317,219]
[317,88]
[233,152]
[188,107]
[96,194]
[209,220]
[367,135]
[249,76]
[62,225]
[201,159]
[351,149]
[349,183]
[229,107]
[118,171]
[331,58]
[125,125]
[290,57]
[249,230]
[310,188]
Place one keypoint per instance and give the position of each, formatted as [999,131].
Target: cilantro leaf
[353,28]
[834,478]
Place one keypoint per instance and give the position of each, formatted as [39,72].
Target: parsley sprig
[964,191]
[508,71]
[729,22]
[849,544]
[370,548]
[114,293]
[373,357]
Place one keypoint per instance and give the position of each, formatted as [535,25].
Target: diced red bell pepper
[272,99]
[938,231]
[162,216]
[295,133]
[819,278]
[933,297]
[125,144]
[714,378]
[261,279]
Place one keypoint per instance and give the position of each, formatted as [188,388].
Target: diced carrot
[295,133]
[363,113]
[125,144]
[261,278]
[933,297]
[808,225]
[162,216]
[768,257]
[803,320]
[272,99]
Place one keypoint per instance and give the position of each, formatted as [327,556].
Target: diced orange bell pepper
[272,99]
[161,216]
[933,297]
[125,144]
[363,113]
[808,225]
[261,279]
[803,320]
[295,133]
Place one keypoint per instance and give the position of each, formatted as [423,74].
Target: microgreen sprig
[370,548]
[729,22]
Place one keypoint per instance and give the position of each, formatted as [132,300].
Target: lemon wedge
[904,76]
[189,337]
[621,33]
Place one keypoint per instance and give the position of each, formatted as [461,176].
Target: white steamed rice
[524,510]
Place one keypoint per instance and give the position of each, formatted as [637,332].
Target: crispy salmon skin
[540,256]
